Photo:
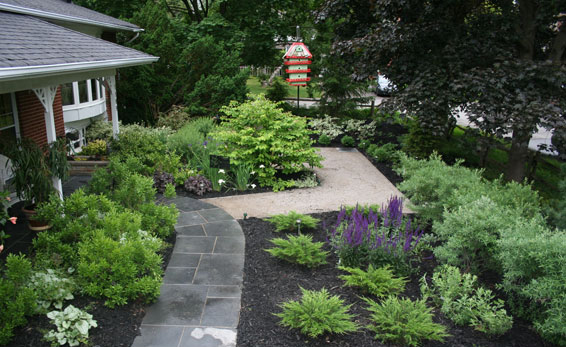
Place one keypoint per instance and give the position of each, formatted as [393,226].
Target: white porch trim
[111,82]
[47,95]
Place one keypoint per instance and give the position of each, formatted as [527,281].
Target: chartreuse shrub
[470,234]
[462,301]
[380,282]
[532,257]
[299,249]
[258,133]
[292,221]
[120,270]
[317,313]
[72,325]
[16,300]
[403,322]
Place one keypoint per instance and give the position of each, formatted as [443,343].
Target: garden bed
[269,281]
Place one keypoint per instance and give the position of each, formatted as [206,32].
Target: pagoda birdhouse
[297,59]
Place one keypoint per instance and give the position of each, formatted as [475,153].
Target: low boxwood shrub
[403,321]
[317,313]
[532,257]
[380,282]
[299,249]
[134,190]
[160,220]
[16,300]
[120,270]
[324,140]
[258,133]
[462,301]
[470,234]
[292,221]
[348,141]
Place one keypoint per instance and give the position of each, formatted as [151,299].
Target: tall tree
[502,61]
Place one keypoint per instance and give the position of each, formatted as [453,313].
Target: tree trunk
[275,72]
[518,154]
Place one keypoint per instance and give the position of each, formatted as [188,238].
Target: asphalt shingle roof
[62,7]
[29,41]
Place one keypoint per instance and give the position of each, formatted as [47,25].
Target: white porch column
[111,80]
[46,95]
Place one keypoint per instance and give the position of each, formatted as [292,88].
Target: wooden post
[298,97]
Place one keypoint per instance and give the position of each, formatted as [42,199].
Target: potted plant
[33,168]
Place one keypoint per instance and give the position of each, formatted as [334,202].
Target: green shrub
[360,129]
[324,140]
[72,324]
[52,287]
[277,91]
[120,270]
[170,191]
[348,141]
[385,153]
[175,118]
[470,235]
[259,134]
[428,184]
[317,313]
[290,221]
[461,301]
[99,130]
[379,282]
[364,144]
[532,257]
[147,144]
[16,300]
[327,126]
[420,142]
[95,147]
[104,180]
[134,190]
[159,220]
[185,141]
[403,321]
[299,249]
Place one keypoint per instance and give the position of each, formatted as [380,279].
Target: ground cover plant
[299,249]
[293,221]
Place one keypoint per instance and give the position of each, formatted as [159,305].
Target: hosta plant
[403,321]
[299,249]
[72,324]
[317,313]
[293,221]
[380,282]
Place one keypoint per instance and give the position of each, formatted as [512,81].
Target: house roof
[33,47]
[62,10]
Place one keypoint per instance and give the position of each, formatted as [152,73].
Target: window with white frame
[8,122]
[81,92]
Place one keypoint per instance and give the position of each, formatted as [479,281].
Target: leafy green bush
[99,130]
[120,270]
[299,249]
[259,134]
[327,126]
[95,147]
[557,209]
[159,220]
[360,129]
[134,190]
[72,324]
[532,257]
[465,304]
[277,91]
[403,321]
[170,191]
[324,140]
[317,313]
[175,118]
[420,142]
[379,282]
[364,144]
[147,144]
[428,184]
[470,235]
[52,287]
[385,153]
[185,141]
[348,141]
[16,300]
[290,221]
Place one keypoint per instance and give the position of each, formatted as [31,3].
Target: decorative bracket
[46,95]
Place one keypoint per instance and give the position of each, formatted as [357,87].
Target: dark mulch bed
[116,327]
[269,281]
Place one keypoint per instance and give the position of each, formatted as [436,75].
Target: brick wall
[31,115]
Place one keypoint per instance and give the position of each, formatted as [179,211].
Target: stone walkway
[199,305]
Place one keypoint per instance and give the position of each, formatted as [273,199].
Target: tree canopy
[500,61]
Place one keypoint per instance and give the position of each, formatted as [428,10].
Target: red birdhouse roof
[298,50]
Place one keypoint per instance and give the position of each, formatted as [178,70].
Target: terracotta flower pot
[33,224]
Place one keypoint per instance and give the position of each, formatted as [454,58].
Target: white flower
[221,181]
[252,173]
[253,186]
[221,171]
[262,166]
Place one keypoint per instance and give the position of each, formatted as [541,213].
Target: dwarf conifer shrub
[299,249]
[324,140]
[460,299]
[259,134]
[317,313]
[348,141]
[403,321]
[292,221]
[380,282]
